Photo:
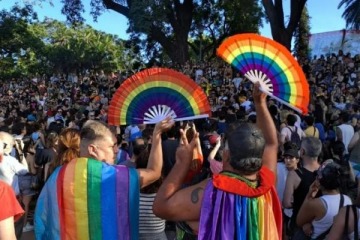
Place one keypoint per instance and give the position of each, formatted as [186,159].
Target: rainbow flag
[89,199]
[233,210]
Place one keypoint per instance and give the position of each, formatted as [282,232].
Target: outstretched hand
[185,150]
[164,125]
[258,95]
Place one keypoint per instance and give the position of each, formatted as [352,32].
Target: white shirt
[9,167]
[286,133]
[331,203]
[347,132]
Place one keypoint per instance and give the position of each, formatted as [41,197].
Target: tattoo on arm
[195,194]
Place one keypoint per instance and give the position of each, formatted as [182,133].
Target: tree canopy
[170,23]
[29,47]
[351,13]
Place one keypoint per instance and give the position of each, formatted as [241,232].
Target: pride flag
[89,199]
[233,210]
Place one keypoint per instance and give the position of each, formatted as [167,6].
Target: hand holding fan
[263,60]
[153,94]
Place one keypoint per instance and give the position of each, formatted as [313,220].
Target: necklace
[253,183]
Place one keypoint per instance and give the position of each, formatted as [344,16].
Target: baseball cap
[292,153]
[213,138]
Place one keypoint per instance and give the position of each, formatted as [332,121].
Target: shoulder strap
[356,230]
[346,220]
[324,234]
[290,129]
[299,172]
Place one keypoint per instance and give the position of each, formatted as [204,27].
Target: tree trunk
[275,12]
[180,18]
[282,36]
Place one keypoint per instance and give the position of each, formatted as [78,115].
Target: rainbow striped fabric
[89,199]
[255,214]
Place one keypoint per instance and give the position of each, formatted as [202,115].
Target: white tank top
[347,133]
[331,204]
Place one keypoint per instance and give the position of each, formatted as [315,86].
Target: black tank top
[307,178]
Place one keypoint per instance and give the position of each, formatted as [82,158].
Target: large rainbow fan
[153,94]
[263,60]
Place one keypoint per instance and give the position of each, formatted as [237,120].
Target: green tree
[281,32]
[81,48]
[351,13]
[168,24]
[302,34]
[18,45]
[216,20]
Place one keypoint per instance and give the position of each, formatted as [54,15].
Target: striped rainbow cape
[89,199]
[233,210]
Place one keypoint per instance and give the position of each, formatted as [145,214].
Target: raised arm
[267,126]
[155,163]
[172,202]
[215,149]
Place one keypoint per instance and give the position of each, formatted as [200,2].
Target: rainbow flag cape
[233,210]
[89,199]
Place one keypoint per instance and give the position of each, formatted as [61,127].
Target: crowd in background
[36,115]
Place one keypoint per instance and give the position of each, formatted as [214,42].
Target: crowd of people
[254,169]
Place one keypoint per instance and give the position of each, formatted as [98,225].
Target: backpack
[295,137]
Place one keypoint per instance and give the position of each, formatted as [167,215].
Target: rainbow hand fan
[152,94]
[263,60]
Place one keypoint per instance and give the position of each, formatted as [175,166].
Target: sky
[324,16]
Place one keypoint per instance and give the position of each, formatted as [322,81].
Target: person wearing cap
[290,162]
[320,211]
[245,188]
[298,181]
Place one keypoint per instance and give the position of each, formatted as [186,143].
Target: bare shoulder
[196,191]
[184,205]
[293,178]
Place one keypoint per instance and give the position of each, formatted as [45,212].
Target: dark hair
[17,128]
[309,120]
[344,116]
[139,146]
[338,149]
[246,145]
[331,176]
[171,133]
[141,162]
[291,119]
